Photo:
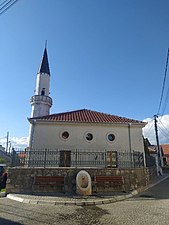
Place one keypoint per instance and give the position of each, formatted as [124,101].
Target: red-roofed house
[80,130]
[165,150]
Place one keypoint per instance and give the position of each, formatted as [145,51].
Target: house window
[65,135]
[89,136]
[111,137]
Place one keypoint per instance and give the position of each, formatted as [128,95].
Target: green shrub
[2,160]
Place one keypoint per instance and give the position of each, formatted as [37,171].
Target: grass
[3,190]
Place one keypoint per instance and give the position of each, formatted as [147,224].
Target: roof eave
[31,120]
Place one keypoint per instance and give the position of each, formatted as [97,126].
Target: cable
[166,130]
[164,80]
[167,136]
[165,103]
[3,2]
[149,127]
[6,6]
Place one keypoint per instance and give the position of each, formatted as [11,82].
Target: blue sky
[104,55]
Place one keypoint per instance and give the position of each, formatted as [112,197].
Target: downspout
[31,134]
[130,149]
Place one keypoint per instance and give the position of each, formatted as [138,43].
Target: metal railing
[76,158]
[41,98]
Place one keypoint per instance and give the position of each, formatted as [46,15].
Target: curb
[77,203]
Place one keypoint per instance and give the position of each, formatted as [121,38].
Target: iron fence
[76,158]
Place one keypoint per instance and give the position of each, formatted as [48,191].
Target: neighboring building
[5,156]
[2,148]
[81,130]
[153,157]
[165,150]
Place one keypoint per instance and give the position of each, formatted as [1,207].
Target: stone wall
[21,180]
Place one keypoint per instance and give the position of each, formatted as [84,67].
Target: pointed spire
[44,66]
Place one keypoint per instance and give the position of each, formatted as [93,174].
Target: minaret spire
[44,66]
[41,101]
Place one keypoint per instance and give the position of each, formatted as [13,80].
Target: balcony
[41,99]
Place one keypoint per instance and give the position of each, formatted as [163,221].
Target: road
[149,208]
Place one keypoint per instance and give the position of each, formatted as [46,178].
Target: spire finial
[46,44]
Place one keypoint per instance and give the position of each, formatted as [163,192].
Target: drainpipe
[130,150]
[31,134]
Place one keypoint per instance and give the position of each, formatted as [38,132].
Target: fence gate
[65,159]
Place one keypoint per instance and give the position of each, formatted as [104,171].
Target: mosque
[82,130]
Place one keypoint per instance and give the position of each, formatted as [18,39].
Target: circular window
[111,137]
[65,135]
[89,136]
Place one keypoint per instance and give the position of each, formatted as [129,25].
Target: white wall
[48,135]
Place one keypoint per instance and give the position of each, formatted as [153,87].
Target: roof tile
[165,148]
[87,116]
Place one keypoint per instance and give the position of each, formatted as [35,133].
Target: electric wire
[6,6]
[164,134]
[3,2]
[164,81]
[166,130]
[150,127]
[165,102]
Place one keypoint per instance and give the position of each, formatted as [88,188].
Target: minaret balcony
[41,99]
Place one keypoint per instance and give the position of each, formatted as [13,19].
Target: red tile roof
[165,148]
[87,116]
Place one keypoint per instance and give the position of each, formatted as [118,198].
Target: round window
[65,135]
[111,137]
[89,136]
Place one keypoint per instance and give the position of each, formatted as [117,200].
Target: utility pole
[158,146]
[7,141]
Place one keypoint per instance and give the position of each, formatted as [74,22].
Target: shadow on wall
[8,222]
[3,178]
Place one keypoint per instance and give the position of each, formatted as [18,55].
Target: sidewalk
[63,199]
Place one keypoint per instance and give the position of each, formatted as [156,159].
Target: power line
[6,6]
[164,80]
[167,136]
[166,101]
[166,130]
[3,2]
[150,126]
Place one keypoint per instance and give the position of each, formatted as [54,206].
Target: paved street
[150,208]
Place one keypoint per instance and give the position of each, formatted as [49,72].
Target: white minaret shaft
[41,102]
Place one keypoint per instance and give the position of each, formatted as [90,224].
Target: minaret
[41,102]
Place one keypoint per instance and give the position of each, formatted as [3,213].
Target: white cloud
[15,142]
[163,129]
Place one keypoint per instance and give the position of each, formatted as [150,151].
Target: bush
[2,160]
